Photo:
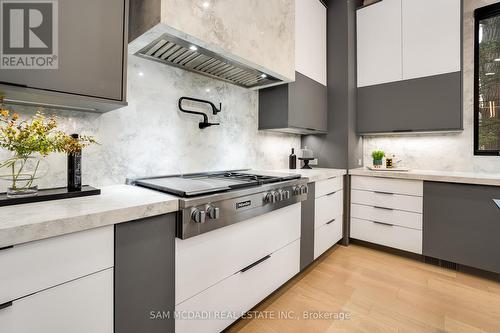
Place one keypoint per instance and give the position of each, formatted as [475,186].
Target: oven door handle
[255,263]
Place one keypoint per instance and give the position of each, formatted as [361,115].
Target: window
[487,81]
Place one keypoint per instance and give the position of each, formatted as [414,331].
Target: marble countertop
[315,174]
[437,176]
[117,204]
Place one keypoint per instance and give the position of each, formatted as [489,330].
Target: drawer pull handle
[330,222]
[384,224]
[6,247]
[330,194]
[255,264]
[386,193]
[384,208]
[5,305]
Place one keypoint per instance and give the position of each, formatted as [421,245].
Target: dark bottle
[75,169]
[292,161]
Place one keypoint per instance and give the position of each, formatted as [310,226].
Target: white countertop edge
[432,175]
[315,174]
[15,231]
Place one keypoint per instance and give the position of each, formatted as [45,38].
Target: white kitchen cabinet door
[388,235]
[431,37]
[379,43]
[231,297]
[327,236]
[34,266]
[84,305]
[310,39]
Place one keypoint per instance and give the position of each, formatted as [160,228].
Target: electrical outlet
[360,163]
[314,162]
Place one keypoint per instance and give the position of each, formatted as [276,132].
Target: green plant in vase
[378,156]
[30,141]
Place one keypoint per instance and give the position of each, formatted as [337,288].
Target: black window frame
[481,14]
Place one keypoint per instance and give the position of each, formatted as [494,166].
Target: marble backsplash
[152,137]
[451,152]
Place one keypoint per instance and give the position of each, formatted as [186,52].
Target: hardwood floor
[382,293]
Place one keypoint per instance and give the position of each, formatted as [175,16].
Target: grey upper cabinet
[409,77]
[91,75]
[301,107]
[462,224]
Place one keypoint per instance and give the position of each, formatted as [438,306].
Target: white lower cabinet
[34,266]
[327,235]
[217,307]
[84,305]
[207,259]
[388,235]
[388,212]
[328,212]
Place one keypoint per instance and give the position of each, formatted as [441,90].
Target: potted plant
[377,156]
[30,141]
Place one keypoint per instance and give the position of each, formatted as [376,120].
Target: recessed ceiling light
[489,74]
[141,74]
[193,48]
[206,4]
[263,75]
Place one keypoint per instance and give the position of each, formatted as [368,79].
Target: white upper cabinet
[431,37]
[407,39]
[379,43]
[310,39]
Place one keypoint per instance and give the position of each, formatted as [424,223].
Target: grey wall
[151,136]
[341,147]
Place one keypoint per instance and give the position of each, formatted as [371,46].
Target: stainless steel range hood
[152,39]
[176,52]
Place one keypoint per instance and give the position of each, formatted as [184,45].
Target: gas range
[209,201]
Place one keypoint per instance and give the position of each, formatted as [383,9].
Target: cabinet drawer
[388,185]
[390,216]
[239,292]
[328,207]
[31,267]
[79,306]
[393,236]
[218,254]
[328,186]
[395,201]
[326,236]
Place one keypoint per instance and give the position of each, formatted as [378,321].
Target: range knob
[296,190]
[304,189]
[287,194]
[281,195]
[213,212]
[270,198]
[198,215]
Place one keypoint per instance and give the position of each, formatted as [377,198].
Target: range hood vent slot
[176,52]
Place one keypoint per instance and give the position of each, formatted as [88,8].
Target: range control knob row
[213,212]
[198,216]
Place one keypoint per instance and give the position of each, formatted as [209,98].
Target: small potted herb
[377,156]
[30,141]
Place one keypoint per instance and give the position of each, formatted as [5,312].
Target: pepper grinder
[75,169]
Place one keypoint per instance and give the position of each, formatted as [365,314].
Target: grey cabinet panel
[307,228]
[145,274]
[462,224]
[91,52]
[297,107]
[307,104]
[425,104]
